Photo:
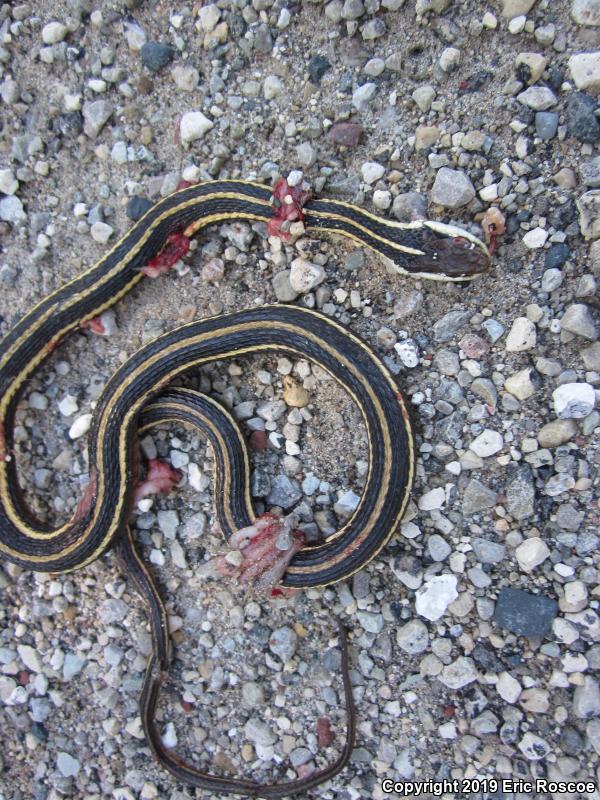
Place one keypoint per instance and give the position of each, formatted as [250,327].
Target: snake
[136,398]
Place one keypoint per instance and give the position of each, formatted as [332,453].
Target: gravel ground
[475,634]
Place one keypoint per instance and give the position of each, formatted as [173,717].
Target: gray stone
[449,325]
[285,492]
[283,642]
[438,547]
[477,497]
[586,699]
[259,732]
[574,400]
[524,613]
[546,125]
[413,637]
[67,765]
[283,288]
[577,319]
[539,98]
[95,117]
[588,206]
[452,189]
[488,552]
[459,673]
[520,492]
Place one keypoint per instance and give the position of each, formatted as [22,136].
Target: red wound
[94,325]
[178,244]
[160,479]
[288,202]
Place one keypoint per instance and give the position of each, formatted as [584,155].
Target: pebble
[477,497]
[305,276]
[445,328]
[535,238]
[67,765]
[574,400]
[461,672]
[362,96]
[539,98]
[449,59]
[577,319]
[8,183]
[11,209]
[101,232]
[452,188]
[546,125]
[185,77]
[156,55]
[523,384]
[80,426]
[54,32]
[508,688]
[522,336]
[283,642]
[424,97]
[372,171]
[585,71]
[95,117]
[285,492]
[516,8]
[433,599]
[581,119]
[586,699]
[347,134]
[259,732]
[531,553]
[433,499]
[520,491]
[488,443]
[413,638]
[193,126]
[524,613]
[317,67]
[534,747]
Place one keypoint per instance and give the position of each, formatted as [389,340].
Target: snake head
[451,253]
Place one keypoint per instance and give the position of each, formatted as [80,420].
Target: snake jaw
[451,253]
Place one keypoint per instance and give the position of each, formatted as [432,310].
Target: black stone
[556,255]
[474,82]
[156,55]
[563,215]
[137,207]
[317,67]
[486,659]
[71,123]
[582,122]
[524,613]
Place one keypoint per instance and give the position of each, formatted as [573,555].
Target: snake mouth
[451,253]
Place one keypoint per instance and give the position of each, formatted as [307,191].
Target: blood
[288,202]
[87,501]
[94,325]
[178,244]
[161,477]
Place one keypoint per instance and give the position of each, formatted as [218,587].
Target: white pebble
[487,443]
[193,126]
[522,335]
[101,232]
[435,596]
[81,426]
[535,238]
[508,687]
[54,32]
[433,499]
[531,553]
[574,400]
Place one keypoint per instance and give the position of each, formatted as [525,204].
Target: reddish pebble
[305,770]
[473,346]
[258,441]
[23,678]
[325,735]
[346,133]
[448,711]
[187,706]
